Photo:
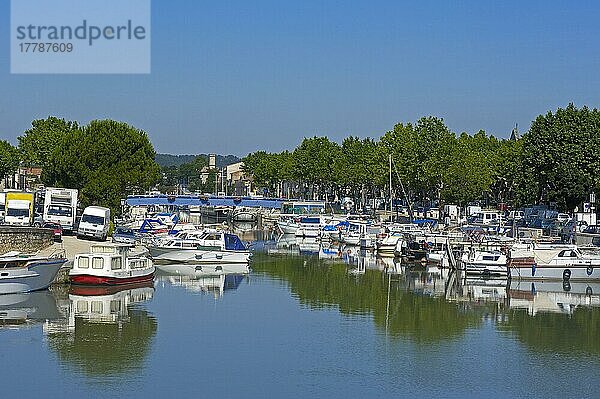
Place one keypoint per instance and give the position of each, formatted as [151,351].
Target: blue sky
[236,76]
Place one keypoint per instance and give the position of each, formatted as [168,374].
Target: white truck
[94,223]
[19,209]
[60,206]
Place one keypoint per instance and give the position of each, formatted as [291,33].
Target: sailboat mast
[391,199]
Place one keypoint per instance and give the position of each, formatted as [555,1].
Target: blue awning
[197,200]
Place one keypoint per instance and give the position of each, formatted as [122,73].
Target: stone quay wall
[24,239]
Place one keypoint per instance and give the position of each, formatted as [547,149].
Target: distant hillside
[176,160]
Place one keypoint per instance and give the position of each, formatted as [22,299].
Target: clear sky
[236,76]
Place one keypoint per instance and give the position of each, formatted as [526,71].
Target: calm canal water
[309,322]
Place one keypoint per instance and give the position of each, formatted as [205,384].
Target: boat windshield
[17,212]
[57,210]
[93,219]
[233,243]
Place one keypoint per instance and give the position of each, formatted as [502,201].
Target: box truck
[60,206]
[19,208]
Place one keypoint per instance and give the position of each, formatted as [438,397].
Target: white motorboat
[216,247]
[111,264]
[387,245]
[485,263]
[185,239]
[362,234]
[309,227]
[25,273]
[531,261]
[288,224]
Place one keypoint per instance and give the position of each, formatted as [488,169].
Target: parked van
[94,223]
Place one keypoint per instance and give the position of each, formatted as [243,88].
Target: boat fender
[219,268]
[588,290]
[198,256]
[589,270]
[198,268]
[566,286]
[566,274]
[219,256]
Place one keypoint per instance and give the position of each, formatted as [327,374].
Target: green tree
[471,170]
[313,163]
[106,160]
[189,173]
[561,149]
[38,143]
[356,166]
[263,167]
[9,158]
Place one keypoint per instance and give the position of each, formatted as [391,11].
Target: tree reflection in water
[423,318]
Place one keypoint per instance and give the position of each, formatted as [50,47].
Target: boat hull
[287,228]
[34,277]
[486,269]
[88,279]
[102,290]
[308,232]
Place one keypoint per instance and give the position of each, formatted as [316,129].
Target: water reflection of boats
[308,245]
[290,244]
[108,304]
[555,297]
[390,265]
[204,279]
[26,309]
[485,289]
[104,334]
[431,282]
[359,259]
[330,252]
[182,269]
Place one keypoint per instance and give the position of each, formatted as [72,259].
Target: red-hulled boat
[111,264]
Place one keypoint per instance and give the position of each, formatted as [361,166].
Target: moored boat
[25,273]
[309,226]
[531,261]
[485,263]
[113,264]
[216,247]
[387,244]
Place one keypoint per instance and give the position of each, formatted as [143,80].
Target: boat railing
[58,253]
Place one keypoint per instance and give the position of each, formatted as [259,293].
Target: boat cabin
[110,258]
[303,207]
[487,217]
